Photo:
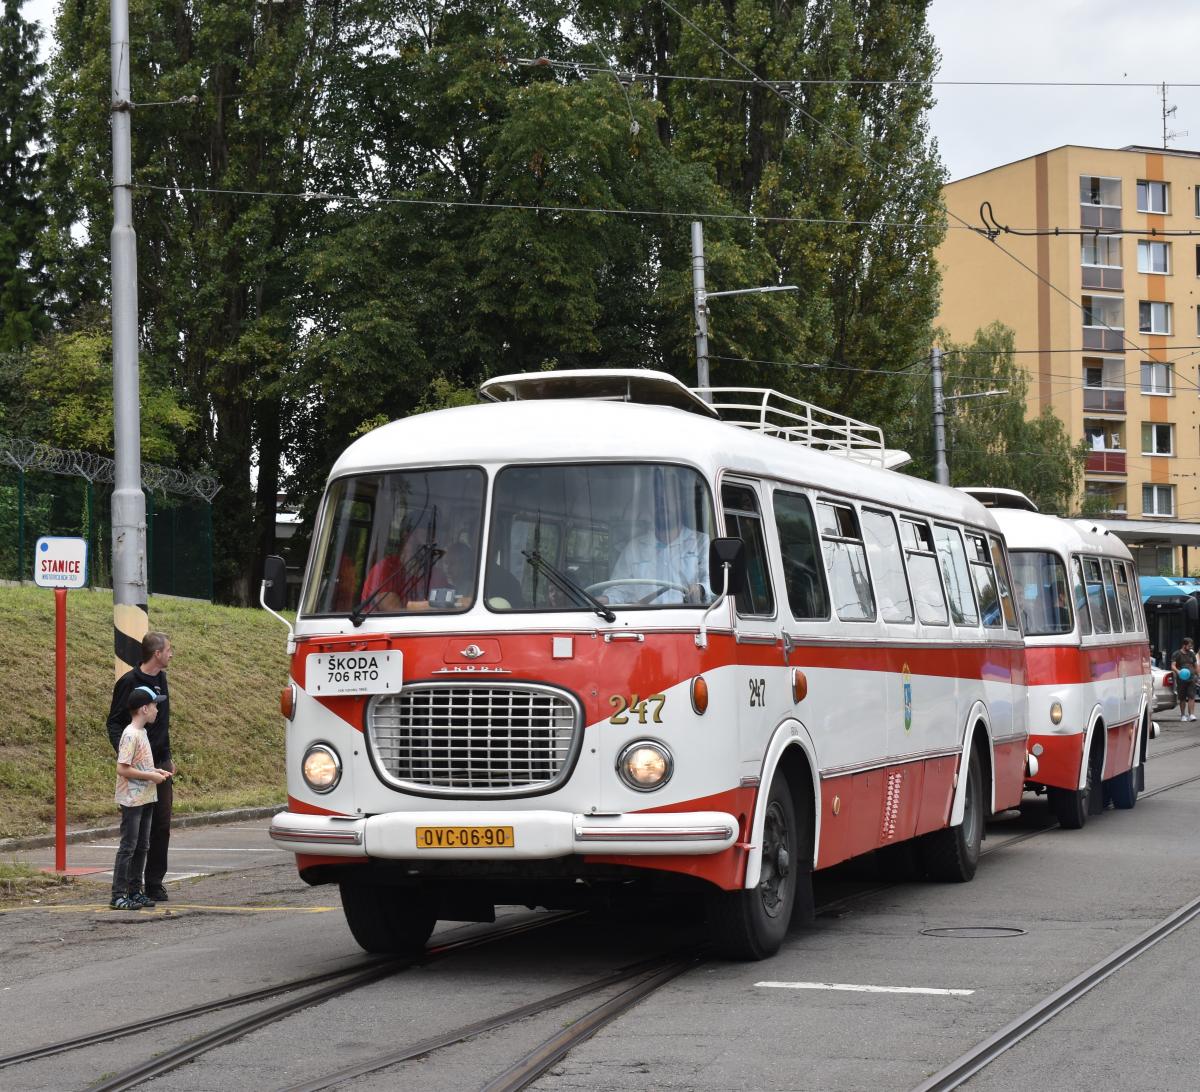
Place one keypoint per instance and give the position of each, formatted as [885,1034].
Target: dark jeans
[160,835]
[131,853]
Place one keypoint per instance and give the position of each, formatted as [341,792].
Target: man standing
[156,655]
[1185,688]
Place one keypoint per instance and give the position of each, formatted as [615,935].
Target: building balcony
[1106,277]
[1108,341]
[1105,462]
[1099,216]
[1104,399]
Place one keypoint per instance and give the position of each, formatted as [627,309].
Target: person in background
[156,653]
[1185,689]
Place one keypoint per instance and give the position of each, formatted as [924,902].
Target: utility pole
[130,614]
[700,306]
[941,471]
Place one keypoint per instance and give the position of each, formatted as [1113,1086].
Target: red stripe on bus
[1059,665]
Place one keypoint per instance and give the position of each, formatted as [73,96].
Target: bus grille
[474,740]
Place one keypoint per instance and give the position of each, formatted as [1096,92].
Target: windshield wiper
[566,584]
[424,558]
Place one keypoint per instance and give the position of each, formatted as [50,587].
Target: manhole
[974,932]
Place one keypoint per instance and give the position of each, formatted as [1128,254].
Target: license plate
[329,673]
[465,838]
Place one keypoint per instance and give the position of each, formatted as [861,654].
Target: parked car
[1164,688]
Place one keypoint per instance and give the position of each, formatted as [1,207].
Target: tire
[387,920]
[1122,790]
[751,923]
[1072,807]
[952,854]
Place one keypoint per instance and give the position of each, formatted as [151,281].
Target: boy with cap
[137,789]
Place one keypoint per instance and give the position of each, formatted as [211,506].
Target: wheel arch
[977,732]
[1095,729]
[792,753]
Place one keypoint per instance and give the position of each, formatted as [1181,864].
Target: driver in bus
[670,560]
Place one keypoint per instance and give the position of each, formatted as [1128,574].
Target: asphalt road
[1065,898]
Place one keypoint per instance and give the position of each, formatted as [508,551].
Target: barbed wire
[32,455]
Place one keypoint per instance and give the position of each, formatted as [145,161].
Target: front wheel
[952,854]
[751,923]
[387,920]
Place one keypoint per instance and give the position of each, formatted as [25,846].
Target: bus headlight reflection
[322,768]
[645,765]
[1056,712]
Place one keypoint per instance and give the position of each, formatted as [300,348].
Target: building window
[1158,500]
[1158,439]
[1154,257]
[1101,191]
[1104,311]
[1100,250]
[1156,377]
[1154,318]
[1153,196]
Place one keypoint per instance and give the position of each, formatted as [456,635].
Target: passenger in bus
[404,576]
[670,560]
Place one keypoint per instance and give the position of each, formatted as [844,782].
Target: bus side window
[803,574]
[1135,598]
[887,565]
[1000,568]
[1110,594]
[984,580]
[742,520]
[846,560]
[1127,612]
[954,570]
[923,574]
[1094,582]
[1081,599]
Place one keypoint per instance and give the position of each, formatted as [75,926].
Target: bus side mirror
[731,552]
[274,589]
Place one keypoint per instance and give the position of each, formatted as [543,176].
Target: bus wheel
[751,923]
[387,920]
[1072,807]
[952,854]
[1122,790]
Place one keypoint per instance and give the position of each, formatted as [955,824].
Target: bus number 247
[639,709]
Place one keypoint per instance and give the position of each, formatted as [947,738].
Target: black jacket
[118,715]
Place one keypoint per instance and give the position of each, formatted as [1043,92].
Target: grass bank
[226,732]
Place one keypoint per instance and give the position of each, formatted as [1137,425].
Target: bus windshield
[627,535]
[1043,594]
[398,543]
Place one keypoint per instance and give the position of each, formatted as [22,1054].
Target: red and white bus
[516,677]
[1088,656]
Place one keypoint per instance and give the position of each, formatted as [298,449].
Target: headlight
[645,765]
[321,767]
[1055,712]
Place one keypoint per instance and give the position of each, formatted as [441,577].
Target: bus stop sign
[60,563]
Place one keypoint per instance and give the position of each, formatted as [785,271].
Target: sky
[1101,41]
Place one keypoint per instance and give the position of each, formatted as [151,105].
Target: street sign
[60,562]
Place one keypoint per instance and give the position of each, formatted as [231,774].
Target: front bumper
[538,835]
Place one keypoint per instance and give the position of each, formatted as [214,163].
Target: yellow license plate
[465,838]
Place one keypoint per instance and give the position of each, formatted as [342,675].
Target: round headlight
[645,765]
[1055,712]
[321,767]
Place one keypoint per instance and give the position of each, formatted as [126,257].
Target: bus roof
[1036,531]
[575,430]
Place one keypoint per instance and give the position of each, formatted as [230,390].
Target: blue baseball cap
[143,695]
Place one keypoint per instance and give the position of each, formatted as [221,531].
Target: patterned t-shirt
[135,751]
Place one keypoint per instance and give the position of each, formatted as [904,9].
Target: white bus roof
[1035,531]
[574,430]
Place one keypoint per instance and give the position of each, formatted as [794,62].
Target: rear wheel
[952,854]
[751,923]
[1072,807]
[1122,790]
[387,920]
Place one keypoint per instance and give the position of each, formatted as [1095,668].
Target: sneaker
[143,902]
[157,892]
[124,902]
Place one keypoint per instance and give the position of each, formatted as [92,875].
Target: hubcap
[777,861]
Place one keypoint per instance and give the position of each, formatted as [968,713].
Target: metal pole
[21,524]
[941,471]
[60,729]
[130,617]
[700,306]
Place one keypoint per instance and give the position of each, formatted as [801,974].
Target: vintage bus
[1087,654]
[600,637]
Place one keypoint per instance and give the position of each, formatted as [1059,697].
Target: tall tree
[989,439]
[22,206]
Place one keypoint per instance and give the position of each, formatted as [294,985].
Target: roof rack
[757,409]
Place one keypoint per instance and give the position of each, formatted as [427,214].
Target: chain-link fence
[52,491]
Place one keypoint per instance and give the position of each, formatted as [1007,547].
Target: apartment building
[1108,324]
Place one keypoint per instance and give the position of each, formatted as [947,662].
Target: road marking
[854,988]
[88,908]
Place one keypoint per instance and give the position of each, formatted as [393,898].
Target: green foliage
[22,203]
[990,440]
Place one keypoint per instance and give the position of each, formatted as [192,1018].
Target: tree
[989,440]
[22,208]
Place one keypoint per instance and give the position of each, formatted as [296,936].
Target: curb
[200,819]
